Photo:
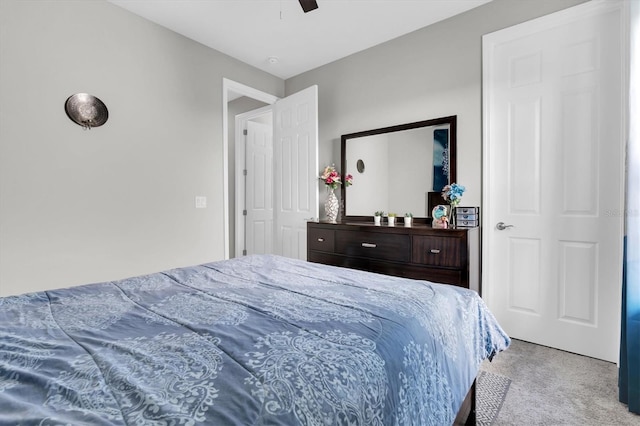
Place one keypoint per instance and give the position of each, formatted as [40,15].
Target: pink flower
[332,179]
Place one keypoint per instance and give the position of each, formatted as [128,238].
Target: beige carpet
[553,387]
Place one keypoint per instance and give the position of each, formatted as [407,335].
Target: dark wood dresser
[450,256]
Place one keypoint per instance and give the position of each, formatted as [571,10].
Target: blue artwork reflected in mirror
[440,159]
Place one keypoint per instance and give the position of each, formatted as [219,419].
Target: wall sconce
[86,110]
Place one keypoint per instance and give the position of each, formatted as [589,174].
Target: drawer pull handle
[321,240]
[369,245]
[435,251]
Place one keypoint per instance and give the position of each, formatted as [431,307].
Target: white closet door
[553,170]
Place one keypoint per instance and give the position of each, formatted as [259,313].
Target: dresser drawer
[320,239]
[438,251]
[374,245]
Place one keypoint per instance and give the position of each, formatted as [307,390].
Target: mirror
[404,164]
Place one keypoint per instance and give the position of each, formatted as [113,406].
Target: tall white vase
[331,206]
[452,216]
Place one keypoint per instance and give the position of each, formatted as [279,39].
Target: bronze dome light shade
[86,110]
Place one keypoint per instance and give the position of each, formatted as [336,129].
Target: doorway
[295,166]
[232,90]
[254,197]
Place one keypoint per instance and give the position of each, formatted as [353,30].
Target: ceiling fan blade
[308,5]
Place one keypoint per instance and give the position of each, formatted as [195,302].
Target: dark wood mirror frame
[450,120]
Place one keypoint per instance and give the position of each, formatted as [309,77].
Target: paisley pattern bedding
[259,340]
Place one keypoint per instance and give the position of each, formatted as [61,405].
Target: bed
[258,340]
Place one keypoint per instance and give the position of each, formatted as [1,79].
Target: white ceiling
[254,31]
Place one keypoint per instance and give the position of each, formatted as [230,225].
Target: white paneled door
[553,178]
[259,188]
[296,170]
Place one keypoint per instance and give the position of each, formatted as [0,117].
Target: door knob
[500,226]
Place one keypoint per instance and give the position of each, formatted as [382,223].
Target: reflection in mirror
[404,163]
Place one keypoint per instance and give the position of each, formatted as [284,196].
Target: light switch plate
[201,202]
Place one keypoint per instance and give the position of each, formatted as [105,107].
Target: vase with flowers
[332,180]
[452,194]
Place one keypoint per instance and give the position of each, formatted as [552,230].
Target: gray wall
[83,206]
[433,72]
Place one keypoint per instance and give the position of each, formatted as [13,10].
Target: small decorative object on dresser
[332,180]
[440,215]
[391,219]
[408,218]
[331,206]
[377,217]
[452,194]
[468,217]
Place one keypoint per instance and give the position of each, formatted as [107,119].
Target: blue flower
[452,194]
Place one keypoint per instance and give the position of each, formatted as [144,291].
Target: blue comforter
[259,340]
